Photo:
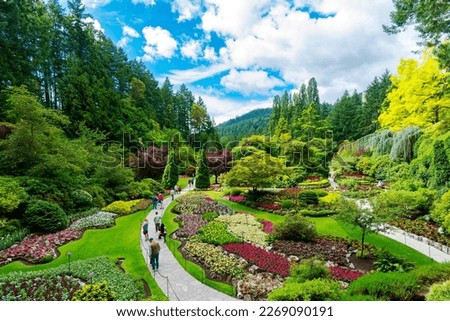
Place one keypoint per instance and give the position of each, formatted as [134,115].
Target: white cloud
[128,31]
[178,77]
[187,9]
[223,109]
[95,23]
[95,3]
[210,54]
[250,81]
[144,2]
[192,49]
[159,43]
[346,50]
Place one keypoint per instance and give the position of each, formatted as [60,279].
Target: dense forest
[81,124]
[254,122]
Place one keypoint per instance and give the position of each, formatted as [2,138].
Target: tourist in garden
[157,220]
[160,200]
[176,188]
[172,194]
[154,202]
[145,229]
[154,254]
[162,232]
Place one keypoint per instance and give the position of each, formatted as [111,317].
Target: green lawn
[120,241]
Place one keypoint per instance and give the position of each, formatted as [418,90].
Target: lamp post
[91,276]
[69,254]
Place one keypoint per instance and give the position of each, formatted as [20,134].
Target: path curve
[174,281]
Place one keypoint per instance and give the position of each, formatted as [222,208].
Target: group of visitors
[159,229]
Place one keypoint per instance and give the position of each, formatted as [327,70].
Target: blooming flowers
[267,261]
[36,248]
[246,227]
[236,199]
[344,274]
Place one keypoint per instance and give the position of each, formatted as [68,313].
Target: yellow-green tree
[420,95]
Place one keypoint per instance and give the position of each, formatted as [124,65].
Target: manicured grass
[193,269]
[120,241]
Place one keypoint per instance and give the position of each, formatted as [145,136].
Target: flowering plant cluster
[267,226]
[257,286]
[313,178]
[245,226]
[344,274]
[208,199]
[100,219]
[269,206]
[191,224]
[39,288]
[36,248]
[354,175]
[267,261]
[197,204]
[216,233]
[214,258]
[329,248]
[237,199]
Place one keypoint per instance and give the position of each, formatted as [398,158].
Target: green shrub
[433,273]
[11,194]
[391,286]
[286,204]
[387,262]
[43,216]
[81,198]
[296,228]
[216,233]
[235,192]
[309,269]
[439,292]
[320,192]
[123,196]
[308,198]
[95,292]
[441,208]
[127,207]
[311,290]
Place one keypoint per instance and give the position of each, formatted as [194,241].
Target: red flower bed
[268,261]
[344,274]
[236,199]
[268,226]
[313,178]
[35,248]
[268,206]
[209,199]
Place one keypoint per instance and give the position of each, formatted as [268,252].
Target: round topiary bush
[308,198]
[310,269]
[439,292]
[44,216]
[296,228]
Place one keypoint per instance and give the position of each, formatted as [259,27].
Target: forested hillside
[254,122]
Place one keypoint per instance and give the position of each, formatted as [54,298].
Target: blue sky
[238,54]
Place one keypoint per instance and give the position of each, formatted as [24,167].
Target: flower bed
[268,226]
[330,249]
[197,204]
[98,220]
[245,226]
[344,274]
[191,224]
[216,233]
[267,261]
[422,228]
[268,206]
[36,248]
[257,286]
[214,259]
[236,199]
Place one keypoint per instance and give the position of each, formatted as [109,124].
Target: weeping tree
[403,143]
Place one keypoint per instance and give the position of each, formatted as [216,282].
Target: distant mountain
[252,123]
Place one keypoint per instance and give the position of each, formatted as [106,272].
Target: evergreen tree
[170,176]
[202,176]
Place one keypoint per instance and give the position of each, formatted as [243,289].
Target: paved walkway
[173,280]
[424,248]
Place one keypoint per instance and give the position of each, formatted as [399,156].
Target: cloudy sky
[238,54]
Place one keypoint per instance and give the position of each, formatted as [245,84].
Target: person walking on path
[172,194]
[154,254]
[145,229]
[160,200]
[162,232]
[157,220]
[154,202]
